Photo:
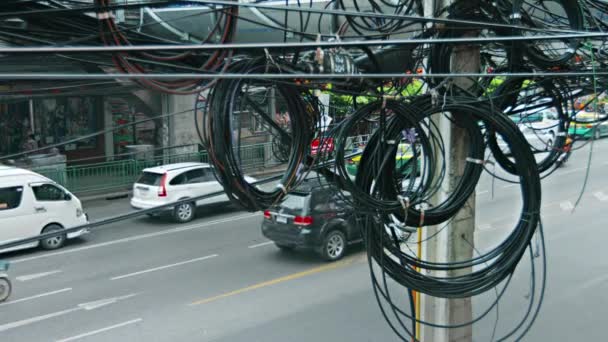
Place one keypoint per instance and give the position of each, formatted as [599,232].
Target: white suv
[174,182]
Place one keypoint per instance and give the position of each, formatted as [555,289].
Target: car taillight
[162,191]
[267,214]
[302,220]
[589,126]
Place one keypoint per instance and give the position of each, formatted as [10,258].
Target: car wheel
[334,246]
[287,248]
[5,289]
[184,212]
[55,241]
[597,134]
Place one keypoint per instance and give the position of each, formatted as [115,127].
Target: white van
[31,204]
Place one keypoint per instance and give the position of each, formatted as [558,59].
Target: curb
[106,196]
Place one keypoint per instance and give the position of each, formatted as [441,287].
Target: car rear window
[295,201]
[10,198]
[150,178]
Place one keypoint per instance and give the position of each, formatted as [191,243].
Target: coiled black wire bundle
[381,196]
[223,147]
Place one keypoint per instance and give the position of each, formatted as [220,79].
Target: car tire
[334,245]
[5,289]
[286,248]
[54,242]
[184,212]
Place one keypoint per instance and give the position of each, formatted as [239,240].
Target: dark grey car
[314,216]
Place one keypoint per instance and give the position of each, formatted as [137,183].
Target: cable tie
[562,134]
[479,161]
[515,16]
[434,96]
[405,201]
[391,142]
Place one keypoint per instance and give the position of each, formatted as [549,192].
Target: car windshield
[150,178]
[294,201]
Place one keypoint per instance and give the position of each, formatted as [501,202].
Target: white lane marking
[36,275]
[103,302]
[134,238]
[482,192]
[510,186]
[594,282]
[79,307]
[163,267]
[24,322]
[261,244]
[573,170]
[566,205]
[95,332]
[36,296]
[600,196]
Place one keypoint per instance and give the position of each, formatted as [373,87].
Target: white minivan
[31,204]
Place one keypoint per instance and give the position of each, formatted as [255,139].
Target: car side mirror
[67,197]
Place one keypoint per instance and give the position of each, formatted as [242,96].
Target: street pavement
[218,279]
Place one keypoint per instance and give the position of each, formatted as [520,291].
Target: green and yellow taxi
[405,152]
[588,127]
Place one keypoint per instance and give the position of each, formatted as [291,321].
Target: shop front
[38,123]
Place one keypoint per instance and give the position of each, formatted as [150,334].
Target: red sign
[328,146]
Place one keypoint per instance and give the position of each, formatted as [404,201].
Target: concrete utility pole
[455,243]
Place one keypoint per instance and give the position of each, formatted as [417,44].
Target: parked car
[314,216]
[175,182]
[591,129]
[541,134]
[31,204]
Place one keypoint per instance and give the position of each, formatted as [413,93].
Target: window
[10,198]
[179,179]
[48,192]
[200,175]
[150,178]
[295,201]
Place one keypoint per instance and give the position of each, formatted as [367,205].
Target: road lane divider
[41,295]
[261,244]
[135,238]
[98,331]
[600,196]
[80,307]
[29,277]
[163,267]
[293,276]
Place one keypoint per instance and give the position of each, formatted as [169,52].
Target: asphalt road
[218,279]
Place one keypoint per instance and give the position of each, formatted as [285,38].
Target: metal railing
[120,175]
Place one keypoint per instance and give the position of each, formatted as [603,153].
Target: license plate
[281,219]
